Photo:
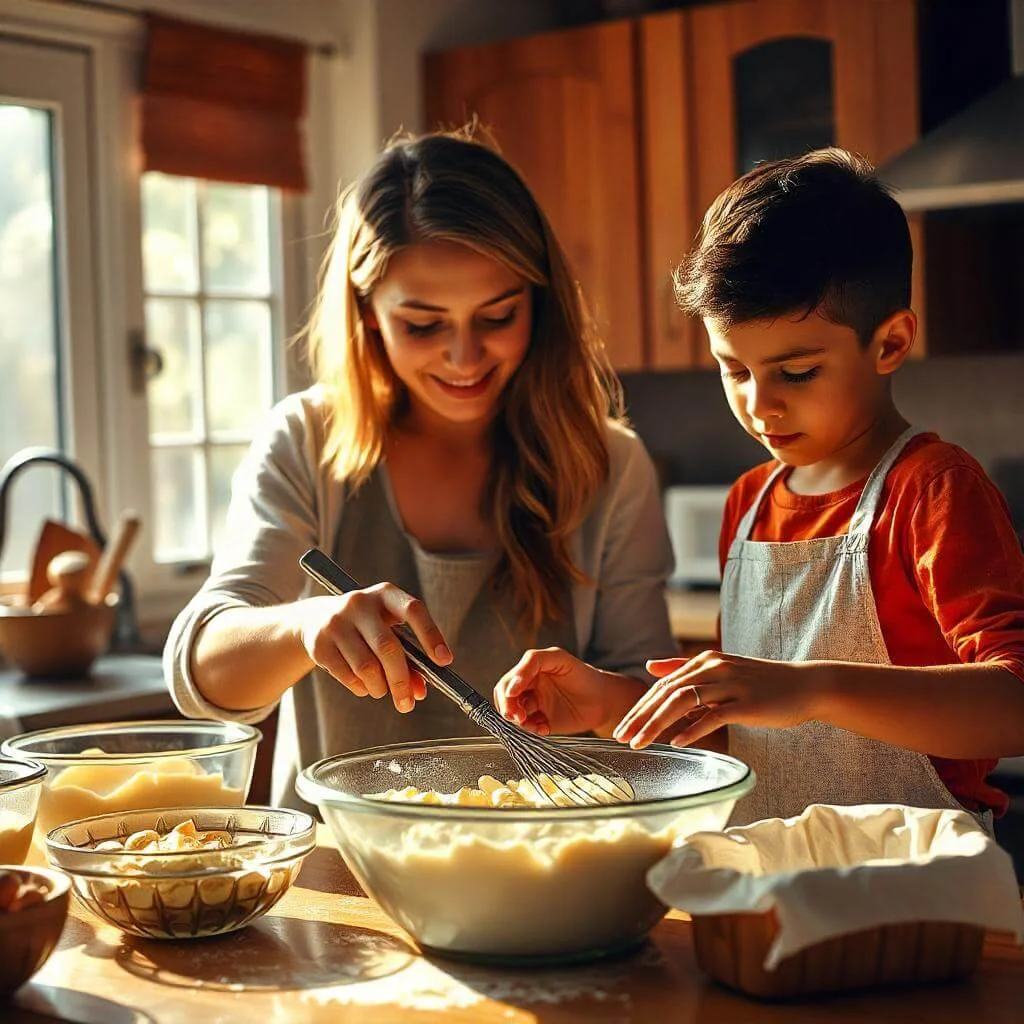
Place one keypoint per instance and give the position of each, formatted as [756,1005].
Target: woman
[463,444]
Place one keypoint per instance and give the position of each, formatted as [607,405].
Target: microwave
[694,517]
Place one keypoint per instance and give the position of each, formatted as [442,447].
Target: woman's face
[455,326]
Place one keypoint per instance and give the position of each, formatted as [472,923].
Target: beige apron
[811,600]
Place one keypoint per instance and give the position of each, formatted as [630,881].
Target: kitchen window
[146,316]
[48,336]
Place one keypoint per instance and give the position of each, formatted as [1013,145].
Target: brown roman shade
[223,105]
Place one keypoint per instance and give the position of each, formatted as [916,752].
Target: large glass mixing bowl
[520,885]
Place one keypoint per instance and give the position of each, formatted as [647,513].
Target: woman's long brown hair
[550,436]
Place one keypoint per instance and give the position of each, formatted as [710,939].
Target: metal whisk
[551,767]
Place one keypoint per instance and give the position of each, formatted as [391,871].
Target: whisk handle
[332,577]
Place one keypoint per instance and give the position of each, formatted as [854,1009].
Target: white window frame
[114,447]
[273,299]
[55,78]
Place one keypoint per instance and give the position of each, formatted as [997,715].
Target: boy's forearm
[954,711]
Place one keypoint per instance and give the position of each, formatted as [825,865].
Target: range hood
[975,158]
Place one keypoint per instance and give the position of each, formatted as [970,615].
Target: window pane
[238,365]
[224,460]
[170,261]
[179,501]
[784,101]
[175,394]
[236,243]
[217,344]
[29,382]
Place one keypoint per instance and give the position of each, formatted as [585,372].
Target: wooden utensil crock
[59,642]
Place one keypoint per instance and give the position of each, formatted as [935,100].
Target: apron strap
[867,505]
[747,522]
[870,497]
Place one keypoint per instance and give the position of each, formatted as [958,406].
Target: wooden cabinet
[563,108]
[726,85]
[627,131]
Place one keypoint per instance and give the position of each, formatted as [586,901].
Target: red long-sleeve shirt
[947,569]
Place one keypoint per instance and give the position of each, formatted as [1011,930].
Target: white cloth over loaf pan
[832,871]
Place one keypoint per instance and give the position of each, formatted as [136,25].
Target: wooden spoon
[125,532]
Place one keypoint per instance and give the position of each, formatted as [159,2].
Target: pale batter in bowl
[543,791]
[86,790]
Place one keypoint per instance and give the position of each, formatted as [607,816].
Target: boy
[872,626]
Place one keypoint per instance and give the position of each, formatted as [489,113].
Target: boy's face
[802,386]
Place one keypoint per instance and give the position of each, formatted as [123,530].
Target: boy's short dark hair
[815,233]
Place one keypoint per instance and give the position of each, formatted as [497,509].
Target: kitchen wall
[406,29]
[310,20]
[976,402]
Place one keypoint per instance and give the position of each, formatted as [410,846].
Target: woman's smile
[471,387]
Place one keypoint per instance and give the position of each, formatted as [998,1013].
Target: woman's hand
[713,689]
[352,638]
[550,691]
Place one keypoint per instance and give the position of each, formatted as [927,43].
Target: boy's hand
[715,689]
[550,691]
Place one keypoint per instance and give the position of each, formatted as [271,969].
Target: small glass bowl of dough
[21,781]
[130,766]
[182,873]
[513,884]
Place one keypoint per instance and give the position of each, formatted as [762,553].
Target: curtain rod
[321,49]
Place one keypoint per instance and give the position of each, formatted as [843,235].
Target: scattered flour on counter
[427,985]
[419,987]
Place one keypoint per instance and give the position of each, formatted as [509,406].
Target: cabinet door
[670,202]
[563,108]
[771,78]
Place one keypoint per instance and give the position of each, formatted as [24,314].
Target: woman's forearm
[955,711]
[247,657]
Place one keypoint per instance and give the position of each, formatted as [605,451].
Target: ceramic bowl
[29,935]
[56,643]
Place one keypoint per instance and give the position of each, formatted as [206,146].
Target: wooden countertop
[327,953]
